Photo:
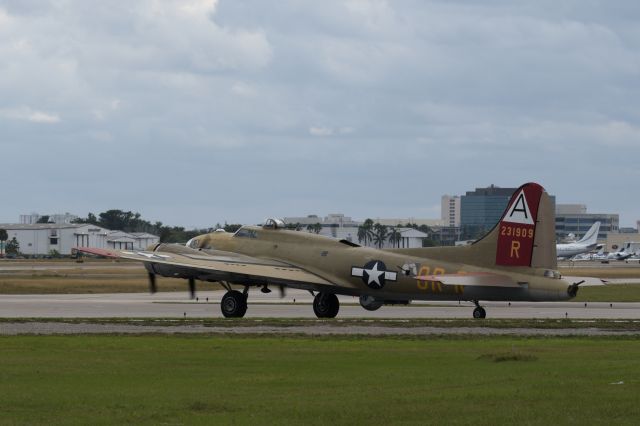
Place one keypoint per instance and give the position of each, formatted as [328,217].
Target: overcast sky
[203,111]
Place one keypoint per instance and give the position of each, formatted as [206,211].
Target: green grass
[277,380]
[609,293]
[234,323]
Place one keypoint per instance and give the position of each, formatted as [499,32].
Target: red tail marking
[517,227]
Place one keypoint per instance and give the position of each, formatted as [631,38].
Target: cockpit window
[193,243]
[246,233]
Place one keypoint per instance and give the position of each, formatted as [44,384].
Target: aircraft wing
[472,279]
[215,265]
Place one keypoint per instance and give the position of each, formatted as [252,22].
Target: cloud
[28,114]
[393,92]
[242,89]
[320,131]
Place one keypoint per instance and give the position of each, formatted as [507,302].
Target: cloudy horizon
[203,111]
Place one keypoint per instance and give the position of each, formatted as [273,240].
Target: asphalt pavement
[296,304]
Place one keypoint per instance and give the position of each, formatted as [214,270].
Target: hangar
[42,239]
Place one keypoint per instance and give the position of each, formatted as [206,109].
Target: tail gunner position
[516,261]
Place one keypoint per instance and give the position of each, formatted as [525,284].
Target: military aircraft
[516,261]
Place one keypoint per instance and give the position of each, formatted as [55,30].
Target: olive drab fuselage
[383,274]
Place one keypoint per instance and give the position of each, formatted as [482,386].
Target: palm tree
[362,235]
[394,237]
[314,228]
[380,234]
[367,231]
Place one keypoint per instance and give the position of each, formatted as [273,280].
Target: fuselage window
[246,233]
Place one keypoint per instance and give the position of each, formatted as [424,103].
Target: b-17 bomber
[515,261]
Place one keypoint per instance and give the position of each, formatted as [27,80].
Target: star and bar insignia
[374,274]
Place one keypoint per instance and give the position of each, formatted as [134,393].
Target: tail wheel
[233,304]
[326,305]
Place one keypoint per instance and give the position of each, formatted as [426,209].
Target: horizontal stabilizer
[585,281]
[477,279]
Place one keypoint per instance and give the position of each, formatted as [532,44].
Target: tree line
[127,221]
[376,233]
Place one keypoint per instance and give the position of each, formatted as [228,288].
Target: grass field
[277,380]
[69,277]
[602,272]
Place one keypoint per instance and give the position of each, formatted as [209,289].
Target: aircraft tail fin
[591,237]
[525,235]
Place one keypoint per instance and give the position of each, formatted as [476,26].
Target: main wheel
[326,305]
[233,304]
[479,312]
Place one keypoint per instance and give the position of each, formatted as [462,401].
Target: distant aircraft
[587,243]
[515,261]
[622,254]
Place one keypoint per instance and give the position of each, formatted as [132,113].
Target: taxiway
[296,304]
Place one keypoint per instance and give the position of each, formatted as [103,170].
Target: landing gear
[479,311]
[326,305]
[233,304]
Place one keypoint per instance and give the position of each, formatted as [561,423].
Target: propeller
[192,287]
[152,283]
[283,293]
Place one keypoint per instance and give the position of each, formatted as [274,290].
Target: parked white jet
[587,243]
[622,254]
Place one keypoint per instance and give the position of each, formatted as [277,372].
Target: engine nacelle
[370,303]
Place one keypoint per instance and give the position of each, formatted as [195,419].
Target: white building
[331,219]
[564,209]
[450,210]
[41,239]
[409,237]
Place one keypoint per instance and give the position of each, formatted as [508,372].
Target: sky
[197,112]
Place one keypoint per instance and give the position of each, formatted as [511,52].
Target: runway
[297,304]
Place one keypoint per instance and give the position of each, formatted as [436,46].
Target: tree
[3,238]
[365,232]
[293,226]
[394,237]
[379,234]
[315,228]
[90,219]
[362,235]
[13,247]
[43,219]
[231,227]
